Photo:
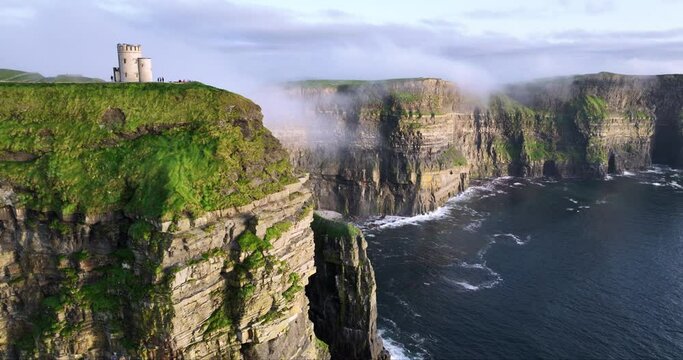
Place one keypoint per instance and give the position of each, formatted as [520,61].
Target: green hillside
[8,75]
[153,150]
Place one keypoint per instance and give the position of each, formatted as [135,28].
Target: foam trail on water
[466,285]
[514,237]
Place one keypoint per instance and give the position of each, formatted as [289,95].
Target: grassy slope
[8,75]
[184,148]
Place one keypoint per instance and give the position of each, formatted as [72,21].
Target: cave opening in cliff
[550,169]
[667,141]
[611,164]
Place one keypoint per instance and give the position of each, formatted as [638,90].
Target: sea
[536,268]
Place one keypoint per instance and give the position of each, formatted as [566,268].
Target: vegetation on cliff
[152,150]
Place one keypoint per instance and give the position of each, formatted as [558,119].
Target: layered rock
[406,146]
[226,285]
[342,291]
[380,147]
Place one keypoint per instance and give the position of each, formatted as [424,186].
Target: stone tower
[145,69]
[132,66]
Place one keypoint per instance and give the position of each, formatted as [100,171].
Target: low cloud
[244,47]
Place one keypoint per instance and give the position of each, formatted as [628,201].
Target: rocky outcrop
[406,146]
[342,291]
[225,285]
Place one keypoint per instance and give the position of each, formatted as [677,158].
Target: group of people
[161,79]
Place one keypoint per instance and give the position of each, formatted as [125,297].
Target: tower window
[125,75]
[124,61]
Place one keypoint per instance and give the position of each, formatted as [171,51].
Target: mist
[249,49]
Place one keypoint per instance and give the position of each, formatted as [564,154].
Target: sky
[243,45]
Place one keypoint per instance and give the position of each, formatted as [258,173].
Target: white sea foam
[651,183]
[572,200]
[600,202]
[463,284]
[514,237]
[518,184]
[388,222]
[608,178]
[627,173]
[675,185]
[466,285]
[478,192]
[473,266]
[474,225]
[570,209]
[397,351]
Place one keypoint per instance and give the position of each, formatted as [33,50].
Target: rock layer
[342,291]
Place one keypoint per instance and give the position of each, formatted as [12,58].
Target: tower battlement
[128,47]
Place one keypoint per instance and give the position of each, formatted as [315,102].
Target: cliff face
[342,291]
[224,285]
[149,221]
[382,148]
[406,146]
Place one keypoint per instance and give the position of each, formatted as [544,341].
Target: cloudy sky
[240,45]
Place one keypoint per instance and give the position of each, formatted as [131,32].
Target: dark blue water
[532,269]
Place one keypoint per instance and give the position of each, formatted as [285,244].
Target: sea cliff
[405,146]
[150,221]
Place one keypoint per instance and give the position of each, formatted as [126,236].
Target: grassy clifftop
[151,150]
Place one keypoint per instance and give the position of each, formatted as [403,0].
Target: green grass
[294,288]
[451,157]
[590,109]
[537,150]
[182,150]
[218,320]
[334,229]
[321,345]
[274,232]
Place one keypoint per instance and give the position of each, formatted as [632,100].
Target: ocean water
[517,268]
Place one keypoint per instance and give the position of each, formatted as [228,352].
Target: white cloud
[16,15]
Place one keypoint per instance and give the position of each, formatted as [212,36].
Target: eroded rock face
[406,146]
[226,285]
[342,291]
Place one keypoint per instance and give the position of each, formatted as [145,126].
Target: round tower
[128,62]
[145,69]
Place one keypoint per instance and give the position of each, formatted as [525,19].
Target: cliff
[342,291]
[405,146]
[149,221]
